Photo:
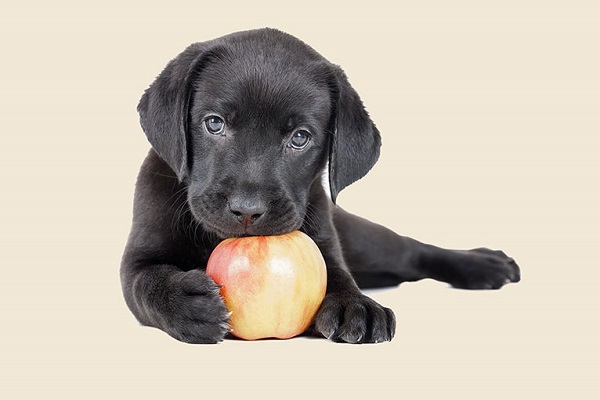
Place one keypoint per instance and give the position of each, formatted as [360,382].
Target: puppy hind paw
[484,268]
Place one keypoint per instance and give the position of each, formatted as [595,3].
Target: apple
[272,285]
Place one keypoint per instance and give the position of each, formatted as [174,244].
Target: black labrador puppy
[255,133]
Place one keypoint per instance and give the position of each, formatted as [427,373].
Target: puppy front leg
[346,314]
[162,275]
[185,304]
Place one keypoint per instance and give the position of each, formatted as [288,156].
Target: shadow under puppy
[244,130]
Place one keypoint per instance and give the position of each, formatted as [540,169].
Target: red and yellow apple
[272,285]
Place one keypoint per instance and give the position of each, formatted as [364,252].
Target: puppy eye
[299,140]
[214,125]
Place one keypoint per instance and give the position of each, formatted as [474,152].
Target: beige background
[490,114]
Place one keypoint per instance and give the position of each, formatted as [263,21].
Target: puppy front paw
[195,311]
[354,318]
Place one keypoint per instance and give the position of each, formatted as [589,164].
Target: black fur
[199,185]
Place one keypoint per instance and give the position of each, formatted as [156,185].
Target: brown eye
[214,125]
[300,139]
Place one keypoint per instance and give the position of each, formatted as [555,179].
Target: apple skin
[272,285]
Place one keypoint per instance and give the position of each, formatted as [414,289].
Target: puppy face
[259,130]
[248,122]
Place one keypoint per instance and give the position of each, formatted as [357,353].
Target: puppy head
[249,121]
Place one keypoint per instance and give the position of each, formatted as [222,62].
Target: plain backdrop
[490,116]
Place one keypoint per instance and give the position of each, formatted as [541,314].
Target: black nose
[247,211]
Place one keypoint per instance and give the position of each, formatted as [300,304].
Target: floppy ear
[355,143]
[164,107]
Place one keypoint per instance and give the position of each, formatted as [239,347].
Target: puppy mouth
[245,232]
[226,230]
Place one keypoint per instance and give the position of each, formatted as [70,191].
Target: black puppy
[255,133]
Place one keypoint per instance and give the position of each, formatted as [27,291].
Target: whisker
[165,176]
[310,219]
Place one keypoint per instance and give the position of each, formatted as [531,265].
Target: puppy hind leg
[376,256]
